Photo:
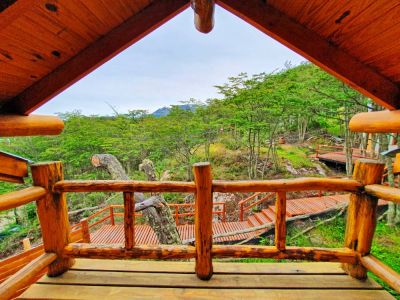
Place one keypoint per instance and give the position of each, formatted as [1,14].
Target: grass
[297,156]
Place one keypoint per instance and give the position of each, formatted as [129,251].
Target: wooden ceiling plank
[359,11]
[310,10]
[116,10]
[291,8]
[16,10]
[102,13]
[96,54]
[67,19]
[45,38]
[333,15]
[368,32]
[23,46]
[88,17]
[40,17]
[316,49]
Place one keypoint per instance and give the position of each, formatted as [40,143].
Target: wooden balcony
[69,276]
[105,279]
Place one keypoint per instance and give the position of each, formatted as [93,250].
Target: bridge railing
[110,212]
[251,202]
[60,252]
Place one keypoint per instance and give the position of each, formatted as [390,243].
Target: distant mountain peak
[164,111]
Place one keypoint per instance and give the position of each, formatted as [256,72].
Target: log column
[129,220]
[280,223]
[203,220]
[53,215]
[361,215]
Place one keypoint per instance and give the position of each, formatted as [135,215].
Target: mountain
[164,111]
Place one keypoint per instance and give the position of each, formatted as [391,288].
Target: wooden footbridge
[337,155]
[103,228]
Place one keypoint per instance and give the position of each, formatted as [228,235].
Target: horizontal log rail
[279,185]
[383,192]
[245,206]
[26,275]
[21,197]
[17,125]
[288,185]
[388,275]
[82,250]
[376,122]
[124,186]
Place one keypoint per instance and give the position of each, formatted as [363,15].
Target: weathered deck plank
[40,291]
[176,280]
[84,264]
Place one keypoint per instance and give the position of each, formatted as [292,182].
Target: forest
[240,133]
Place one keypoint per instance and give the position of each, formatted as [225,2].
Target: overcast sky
[173,64]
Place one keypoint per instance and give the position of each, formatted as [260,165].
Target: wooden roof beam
[203,15]
[16,125]
[99,52]
[385,121]
[316,49]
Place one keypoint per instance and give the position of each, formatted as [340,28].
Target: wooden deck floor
[106,279]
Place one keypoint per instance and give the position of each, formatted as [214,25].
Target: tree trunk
[347,139]
[155,209]
[391,213]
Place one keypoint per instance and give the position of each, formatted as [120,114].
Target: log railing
[109,213]
[355,255]
[249,202]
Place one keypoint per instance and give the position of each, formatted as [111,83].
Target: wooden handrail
[243,208]
[288,185]
[217,251]
[123,186]
[388,275]
[384,192]
[26,275]
[21,197]
[279,185]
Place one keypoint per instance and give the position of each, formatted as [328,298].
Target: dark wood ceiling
[47,45]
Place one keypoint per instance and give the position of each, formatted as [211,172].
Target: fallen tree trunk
[155,208]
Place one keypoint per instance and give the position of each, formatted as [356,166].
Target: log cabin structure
[48,45]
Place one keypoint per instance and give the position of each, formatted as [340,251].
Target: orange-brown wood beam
[316,49]
[203,15]
[376,122]
[105,48]
[16,125]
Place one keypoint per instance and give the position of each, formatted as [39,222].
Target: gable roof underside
[47,45]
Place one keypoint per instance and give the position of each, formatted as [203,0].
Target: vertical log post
[85,231]
[53,215]
[203,15]
[112,219]
[176,214]
[361,214]
[280,223]
[129,220]
[203,220]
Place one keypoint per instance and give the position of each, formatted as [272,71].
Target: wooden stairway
[296,207]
